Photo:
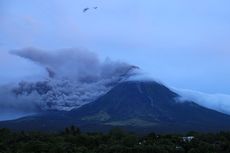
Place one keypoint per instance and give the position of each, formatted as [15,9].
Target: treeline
[71,140]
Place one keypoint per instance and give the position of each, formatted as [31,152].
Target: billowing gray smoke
[75,64]
[12,106]
[24,103]
[74,77]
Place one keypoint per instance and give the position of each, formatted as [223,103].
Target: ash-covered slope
[134,105]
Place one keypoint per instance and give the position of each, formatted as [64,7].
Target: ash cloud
[74,77]
[74,64]
[12,106]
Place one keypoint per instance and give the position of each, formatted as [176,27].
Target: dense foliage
[71,140]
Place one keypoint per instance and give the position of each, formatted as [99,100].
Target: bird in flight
[85,10]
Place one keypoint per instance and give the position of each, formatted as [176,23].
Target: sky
[185,44]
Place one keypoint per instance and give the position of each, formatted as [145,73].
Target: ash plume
[9,101]
[74,77]
[75,64]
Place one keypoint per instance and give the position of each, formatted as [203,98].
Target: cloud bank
[218,102]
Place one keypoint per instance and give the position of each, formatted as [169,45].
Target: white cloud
[218,102]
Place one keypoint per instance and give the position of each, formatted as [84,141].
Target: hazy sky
[185,44]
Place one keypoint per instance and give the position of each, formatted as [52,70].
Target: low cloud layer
[74,77]
[218,102]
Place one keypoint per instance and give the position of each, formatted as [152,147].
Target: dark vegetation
[71,140]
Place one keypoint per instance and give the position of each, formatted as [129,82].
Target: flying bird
[85,9]
[95,7]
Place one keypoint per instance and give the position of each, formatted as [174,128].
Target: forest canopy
[71,140]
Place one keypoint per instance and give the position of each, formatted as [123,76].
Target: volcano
[139,106]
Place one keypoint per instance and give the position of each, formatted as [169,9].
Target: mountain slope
[150,105]
[133,105]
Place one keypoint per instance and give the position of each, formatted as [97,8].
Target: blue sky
[185,44]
